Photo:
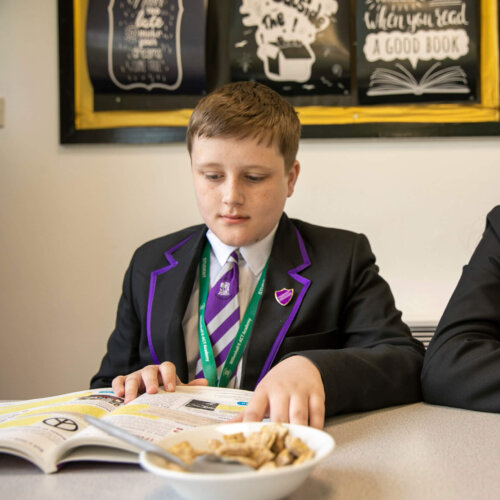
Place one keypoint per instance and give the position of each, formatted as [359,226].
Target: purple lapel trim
[293,273]
[152,285]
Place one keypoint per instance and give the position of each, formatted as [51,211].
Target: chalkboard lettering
[438,38]
[144,44]
[297,42]
[143,54]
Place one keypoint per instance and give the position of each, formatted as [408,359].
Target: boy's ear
[293,175]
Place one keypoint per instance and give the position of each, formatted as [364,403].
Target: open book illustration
[50,432]
[451,80]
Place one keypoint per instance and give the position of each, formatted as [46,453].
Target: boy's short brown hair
[247,110]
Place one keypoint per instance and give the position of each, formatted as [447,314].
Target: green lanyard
[241,339]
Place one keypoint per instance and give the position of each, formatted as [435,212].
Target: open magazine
[50,432]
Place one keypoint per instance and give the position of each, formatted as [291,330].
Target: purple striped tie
[222,313]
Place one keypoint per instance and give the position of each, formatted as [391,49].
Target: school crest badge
[283,296]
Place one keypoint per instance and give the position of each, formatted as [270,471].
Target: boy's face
[241,187]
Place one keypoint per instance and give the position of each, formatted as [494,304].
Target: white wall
[71,216]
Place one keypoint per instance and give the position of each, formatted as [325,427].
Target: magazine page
[153,416]
[37,429]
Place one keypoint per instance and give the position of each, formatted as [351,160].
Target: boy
[324,335]
[462,363]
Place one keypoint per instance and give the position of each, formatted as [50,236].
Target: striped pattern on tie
[222,313]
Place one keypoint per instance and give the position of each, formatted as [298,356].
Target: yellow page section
[39,403]
[135,410]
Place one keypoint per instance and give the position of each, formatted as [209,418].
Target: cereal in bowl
[269,448]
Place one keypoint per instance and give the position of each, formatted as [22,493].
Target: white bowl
[249,485]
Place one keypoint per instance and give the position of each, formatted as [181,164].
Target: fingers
[148,379]
[133,384]
[292,392]
[308,408]
[118,385]
[167,377]
[198,381]
[234,420]
[295,408]
[317,411]
[127,387]
[257,408]
[299,409]
[279,407]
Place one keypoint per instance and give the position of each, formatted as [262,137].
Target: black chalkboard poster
[132,70]
[145,47]
[417,51]
[294,46]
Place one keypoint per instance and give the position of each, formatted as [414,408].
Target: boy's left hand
[292,391]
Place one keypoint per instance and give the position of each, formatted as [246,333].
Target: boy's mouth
[233,219]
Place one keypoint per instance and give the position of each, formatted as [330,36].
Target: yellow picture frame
[81,123]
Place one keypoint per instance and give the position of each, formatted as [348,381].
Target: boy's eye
[255,178]
[212,176]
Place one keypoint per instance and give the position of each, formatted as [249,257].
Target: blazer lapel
[287,260]
[170,289]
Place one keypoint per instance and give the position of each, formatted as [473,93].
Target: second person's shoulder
[494,217]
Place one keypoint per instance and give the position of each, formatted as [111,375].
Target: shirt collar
[255,255]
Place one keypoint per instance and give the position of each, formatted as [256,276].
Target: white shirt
[254,258]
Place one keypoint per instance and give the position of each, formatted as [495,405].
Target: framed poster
[125,65]
[427,52]
[132,70]
[296,49]
[144,54]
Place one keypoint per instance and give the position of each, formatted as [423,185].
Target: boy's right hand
[148,379]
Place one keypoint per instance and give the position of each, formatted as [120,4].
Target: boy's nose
[233,193]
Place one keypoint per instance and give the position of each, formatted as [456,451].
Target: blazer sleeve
[379,362]
[122,355]
[462,363]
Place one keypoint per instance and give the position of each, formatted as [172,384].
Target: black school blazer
[342,316]
[462,363]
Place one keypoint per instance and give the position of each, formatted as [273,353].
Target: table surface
[416,451]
